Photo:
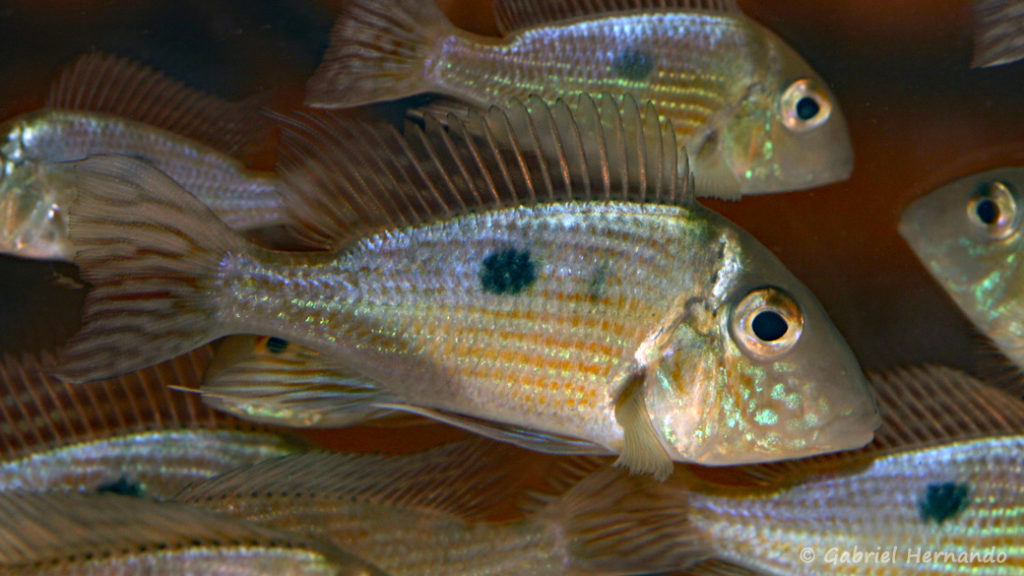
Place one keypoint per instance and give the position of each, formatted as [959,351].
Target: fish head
[786,132]
[770,377]
[968,236]
[33,223]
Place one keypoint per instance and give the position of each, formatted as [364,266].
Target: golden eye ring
[992,209]
[767,323]
[804,106]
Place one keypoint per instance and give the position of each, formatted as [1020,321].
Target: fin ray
[998,32]
[515,15]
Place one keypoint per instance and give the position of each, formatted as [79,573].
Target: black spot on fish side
[277,345]
[507,272]
[633,64]
[943,501]
[598,279]
[122,486]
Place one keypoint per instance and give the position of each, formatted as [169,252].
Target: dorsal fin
[355,178]
[464,479]
[39,411]
[513,15]
[108,84]
[52,528]
[920,406]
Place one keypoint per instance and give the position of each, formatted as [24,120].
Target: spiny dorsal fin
[354,178]
[56,528]
[463,479]
[108,84]
[513,15]
[998,32]
[39,411]
[274,381]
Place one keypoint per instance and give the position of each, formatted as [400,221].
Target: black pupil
[769,326]
[277,345]
[987,211]
[807,108]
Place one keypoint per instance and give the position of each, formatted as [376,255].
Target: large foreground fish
[108,534]
[968,236]
[751,112]
[582,303]
[130,435]
[105,105]
[942,481]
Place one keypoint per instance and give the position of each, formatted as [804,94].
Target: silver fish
[106,105]
[754,116]
[93,534]
[131,435]
[968,236]
[586,305]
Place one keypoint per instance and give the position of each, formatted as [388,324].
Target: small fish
[90,534]
[968,236]
[419,514]
[938,492]
[106,105]
[751,112]
[583,303]
[998,32]
[132,435]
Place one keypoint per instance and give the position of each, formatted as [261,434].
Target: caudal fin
[616,523]
[378,51]
[151,252]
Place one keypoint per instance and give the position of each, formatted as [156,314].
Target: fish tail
[152,253]
[378,51]
[616,523]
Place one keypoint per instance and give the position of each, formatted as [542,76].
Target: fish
[72,534]
[426,513]
[998,32]
[132,435]
[939,491]
[967,235]
[754,116]
[573,305]
[102,104]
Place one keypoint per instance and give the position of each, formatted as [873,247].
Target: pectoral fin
[642,451]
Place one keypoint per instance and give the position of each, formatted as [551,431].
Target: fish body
[655,331]
[753,115]
[968,236]
[93,534]
[129,435]
[34,198]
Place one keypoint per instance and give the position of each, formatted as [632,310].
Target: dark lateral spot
[633,64]
[277,345]
[943,501]
[598,278]
[507,272]
[807,108]
[122,486]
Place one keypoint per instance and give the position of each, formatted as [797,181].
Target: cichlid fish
[132,435]
[968,236]
[419,514]
[998,32]
[752,113]
[95,534]
[938,492]
[582,303]
[106,105]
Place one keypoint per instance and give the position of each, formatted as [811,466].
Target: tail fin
[379,50]
[616,523]
[152,252]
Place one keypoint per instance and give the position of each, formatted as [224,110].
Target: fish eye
[767,323]
[804,106]
[276,345]
[993,209]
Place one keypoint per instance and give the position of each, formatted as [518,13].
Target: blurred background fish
[643,324]
[105,105]
[998,32]
[132,435]
[754,116]
[90,534]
